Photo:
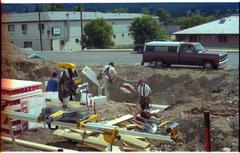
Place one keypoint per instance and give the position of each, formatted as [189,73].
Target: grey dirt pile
[187,91]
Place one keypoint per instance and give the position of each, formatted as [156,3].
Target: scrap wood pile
[95,140]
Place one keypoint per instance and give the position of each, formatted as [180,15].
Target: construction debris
[178,88]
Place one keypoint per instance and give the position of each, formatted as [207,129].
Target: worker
[144,92]
[52,84]
[67,87]
[107,76]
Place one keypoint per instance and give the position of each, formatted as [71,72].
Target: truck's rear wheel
[159,64]
[208,65]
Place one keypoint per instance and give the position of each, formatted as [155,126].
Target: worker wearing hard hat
[106,76]
[144,92]
[66,86]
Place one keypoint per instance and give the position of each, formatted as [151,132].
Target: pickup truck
[181,53]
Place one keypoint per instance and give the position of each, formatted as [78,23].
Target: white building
[61,31]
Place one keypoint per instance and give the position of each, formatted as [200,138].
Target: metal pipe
[207,131]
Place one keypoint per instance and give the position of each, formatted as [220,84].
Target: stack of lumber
[95,141]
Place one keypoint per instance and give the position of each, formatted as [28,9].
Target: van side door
[188,55]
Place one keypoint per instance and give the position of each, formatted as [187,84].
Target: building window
[24,28]
[114,36]
[11,27]
[222,38]
[113,22]
[27,44]
[76,40]
[123,35]
[62,42]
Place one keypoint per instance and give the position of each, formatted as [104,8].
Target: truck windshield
[199,48]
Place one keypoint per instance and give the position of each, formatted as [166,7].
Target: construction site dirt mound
[187,91]
[15,65]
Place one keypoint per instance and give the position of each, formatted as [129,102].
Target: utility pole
[40,25]
[81,20]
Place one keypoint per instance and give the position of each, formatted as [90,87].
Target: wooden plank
[120,119]
[67,134]
[88,133]
[90,145]
[163,123]
[131,126]
[132,140]
[132,149]
[114,149]
[36,145]
[71,104]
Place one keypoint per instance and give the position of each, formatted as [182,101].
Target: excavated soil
[187,91]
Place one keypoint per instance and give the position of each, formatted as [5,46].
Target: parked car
[182,53]
[138,48]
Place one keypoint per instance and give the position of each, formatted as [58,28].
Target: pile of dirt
[172,86]
[15,65]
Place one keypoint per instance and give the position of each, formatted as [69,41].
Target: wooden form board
[98,142]
[91,145]
[71,104]
[78,137]
[36,145]
[82,131]
[132,140]
[120,119]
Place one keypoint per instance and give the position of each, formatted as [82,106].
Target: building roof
[56,16]
[227,25]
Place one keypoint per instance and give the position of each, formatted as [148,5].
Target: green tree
[52,7]
[120,10]
[145,11]
[78,8]
[194,20]
[164,16]
[145,28]
[98,34]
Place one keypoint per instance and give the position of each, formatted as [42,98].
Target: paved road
[105,57]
